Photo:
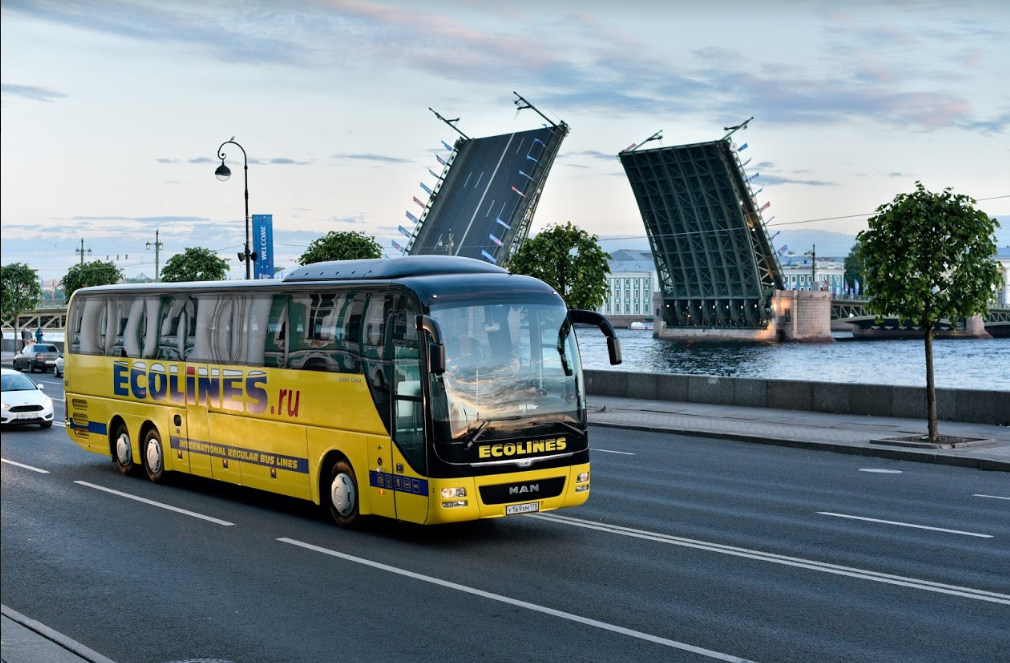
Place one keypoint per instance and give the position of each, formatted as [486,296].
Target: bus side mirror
[581,317]
[436,358]
[614,349]
[436,349]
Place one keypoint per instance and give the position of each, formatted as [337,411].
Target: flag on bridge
[447,146]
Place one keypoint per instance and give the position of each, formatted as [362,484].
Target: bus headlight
[453,504]
[582,478]
[449,493]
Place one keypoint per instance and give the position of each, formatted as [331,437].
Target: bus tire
[341,494]
[153,456]
[122,450]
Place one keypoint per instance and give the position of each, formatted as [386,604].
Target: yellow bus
[426,389]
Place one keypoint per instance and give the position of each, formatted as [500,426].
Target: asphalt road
[688,550]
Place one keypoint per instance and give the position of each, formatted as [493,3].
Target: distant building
[1002,298]
[630,284]
[798,273]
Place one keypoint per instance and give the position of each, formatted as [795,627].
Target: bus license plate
[530,507]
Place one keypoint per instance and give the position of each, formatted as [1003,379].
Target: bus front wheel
[342,494]
[154,456]
[122,450]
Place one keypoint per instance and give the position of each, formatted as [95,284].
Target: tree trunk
[930,388]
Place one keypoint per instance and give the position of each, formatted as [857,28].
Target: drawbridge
[481,204]
[713,255]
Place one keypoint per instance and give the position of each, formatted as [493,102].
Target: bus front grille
[522,491]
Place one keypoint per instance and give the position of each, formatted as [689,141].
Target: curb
[43,631]
[896,454]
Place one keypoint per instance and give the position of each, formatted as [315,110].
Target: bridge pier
[803,315]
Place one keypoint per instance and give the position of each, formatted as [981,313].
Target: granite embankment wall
[965,405]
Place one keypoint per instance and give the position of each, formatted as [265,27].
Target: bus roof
[391,268]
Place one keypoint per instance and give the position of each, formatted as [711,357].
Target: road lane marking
[27,467]
[992,497]
[880,471]
[157,504]
[608,451]
[900,524]
[520,604]
[798,562]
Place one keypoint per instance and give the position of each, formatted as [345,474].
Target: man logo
[522,490]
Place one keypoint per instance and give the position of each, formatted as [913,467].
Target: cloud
[775,180]
[372,157]
[593,154]
[32,92]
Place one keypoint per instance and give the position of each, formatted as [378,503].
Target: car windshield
[506,361]
[16,382]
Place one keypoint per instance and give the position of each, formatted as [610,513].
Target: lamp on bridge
[223,173]
[158,246]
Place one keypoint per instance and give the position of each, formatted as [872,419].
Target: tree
[570,260]
[20,291]
[86,275]
[929,256]
[854,265]
[352,245]
[195,264]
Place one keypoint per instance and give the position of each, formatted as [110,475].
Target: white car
[58,366]
[23,400]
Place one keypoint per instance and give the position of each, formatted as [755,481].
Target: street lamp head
[223,172]
[148,246]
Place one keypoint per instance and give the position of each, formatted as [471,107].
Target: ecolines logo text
[229,389]
[509,449]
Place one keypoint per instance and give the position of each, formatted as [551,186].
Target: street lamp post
[812,254]
[223,173]
[82,252]
[158,246]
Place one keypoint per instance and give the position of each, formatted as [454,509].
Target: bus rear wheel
[154,456]
[342,494]
[122,450]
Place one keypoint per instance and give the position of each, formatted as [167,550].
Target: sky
[113,112]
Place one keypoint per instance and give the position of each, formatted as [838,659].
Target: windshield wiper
[475,435]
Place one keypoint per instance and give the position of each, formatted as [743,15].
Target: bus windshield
[505,361]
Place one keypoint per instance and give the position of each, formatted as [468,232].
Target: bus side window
[89,338]
[374,355]
[254,329]
[349,323]
[174,322]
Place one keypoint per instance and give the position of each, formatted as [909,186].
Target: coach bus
[426,389]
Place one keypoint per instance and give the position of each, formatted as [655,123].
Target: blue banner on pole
[263,245]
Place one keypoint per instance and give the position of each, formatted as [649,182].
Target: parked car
[36,357]
[23,400]
[58,366]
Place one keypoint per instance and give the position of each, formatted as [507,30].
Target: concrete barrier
[965,405]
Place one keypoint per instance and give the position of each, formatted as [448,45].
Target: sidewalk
[25,640]
[852,434]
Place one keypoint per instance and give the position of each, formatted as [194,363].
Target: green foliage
[854,265]
[91,274]
[20,291]
[341,246]
[570,260]
[195,264]
[928,256]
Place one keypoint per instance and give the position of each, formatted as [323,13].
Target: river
[957,363]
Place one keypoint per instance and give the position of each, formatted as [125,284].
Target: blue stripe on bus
[410,485]
[95,427]
[240,454]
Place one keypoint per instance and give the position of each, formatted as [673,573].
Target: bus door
[376,367]
[202,460]
[409,467]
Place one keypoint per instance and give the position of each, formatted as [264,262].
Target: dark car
[36,357]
